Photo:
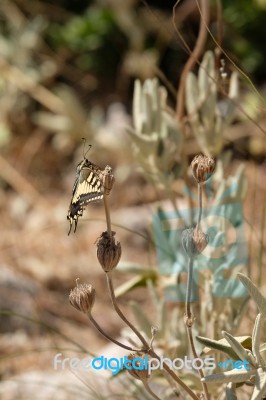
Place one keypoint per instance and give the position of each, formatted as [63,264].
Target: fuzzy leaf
[128,286]
[263,353]
[260,385]
[229,376]
[223,346]
[237,347]
[134,268]
[254,293]
[256,336]
[137,109]
[192,95]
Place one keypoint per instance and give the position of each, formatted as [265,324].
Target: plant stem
[147,387]
[194,56]
[107,336]
[189,289]
[149,350]
[119,312]
[200,204]
[189,323]
[107,214]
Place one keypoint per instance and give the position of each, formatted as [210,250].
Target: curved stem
[149,350]
[147,387]
[194,56]
[107,336]
[119,312]
[152,353]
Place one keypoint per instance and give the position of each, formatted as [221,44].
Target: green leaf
[134,268]
[260,385]
[237,347]
[223,346]
[137,281]
[254,293]
[256,337]
[263,353]
[229,376]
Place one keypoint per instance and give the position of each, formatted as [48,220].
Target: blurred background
[67,71]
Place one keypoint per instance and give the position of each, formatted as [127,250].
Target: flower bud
[139,362]
[194,241]
[202,168]
[108,251]
[82,297]
[108,179]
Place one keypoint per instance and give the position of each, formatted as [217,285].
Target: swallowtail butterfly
[88,188]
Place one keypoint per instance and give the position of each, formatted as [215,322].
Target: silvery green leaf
[143,143]
[260,385]
[133,283]
[237,347]
[234,86]
[152,105]
[230,391]
[241,182]
[147,111]
[133,268]
[232,96]
[141,318]
[254,293]
[256,336]
[192,95]
[137,108]
[217,345]
[229,376]
[207,92]
[157,98]
[263,354]
[206,72]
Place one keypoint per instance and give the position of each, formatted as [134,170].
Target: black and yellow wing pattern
[88,188]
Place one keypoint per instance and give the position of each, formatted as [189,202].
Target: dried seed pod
[82,297]
[194,241]
[202,168]
[139,367]
[108,251]
[200,239]
[108,179]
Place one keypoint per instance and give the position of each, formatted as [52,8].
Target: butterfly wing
[87,188]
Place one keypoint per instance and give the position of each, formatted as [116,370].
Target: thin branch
[107,336]
[195,55]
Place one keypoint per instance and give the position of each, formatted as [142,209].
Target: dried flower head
[108,179]
[202,168]
[194,241]
[108,251]
[200,239]
[82,297]
[139,366]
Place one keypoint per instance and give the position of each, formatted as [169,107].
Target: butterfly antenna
[89,147]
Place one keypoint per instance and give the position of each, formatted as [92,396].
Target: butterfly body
[88,188]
